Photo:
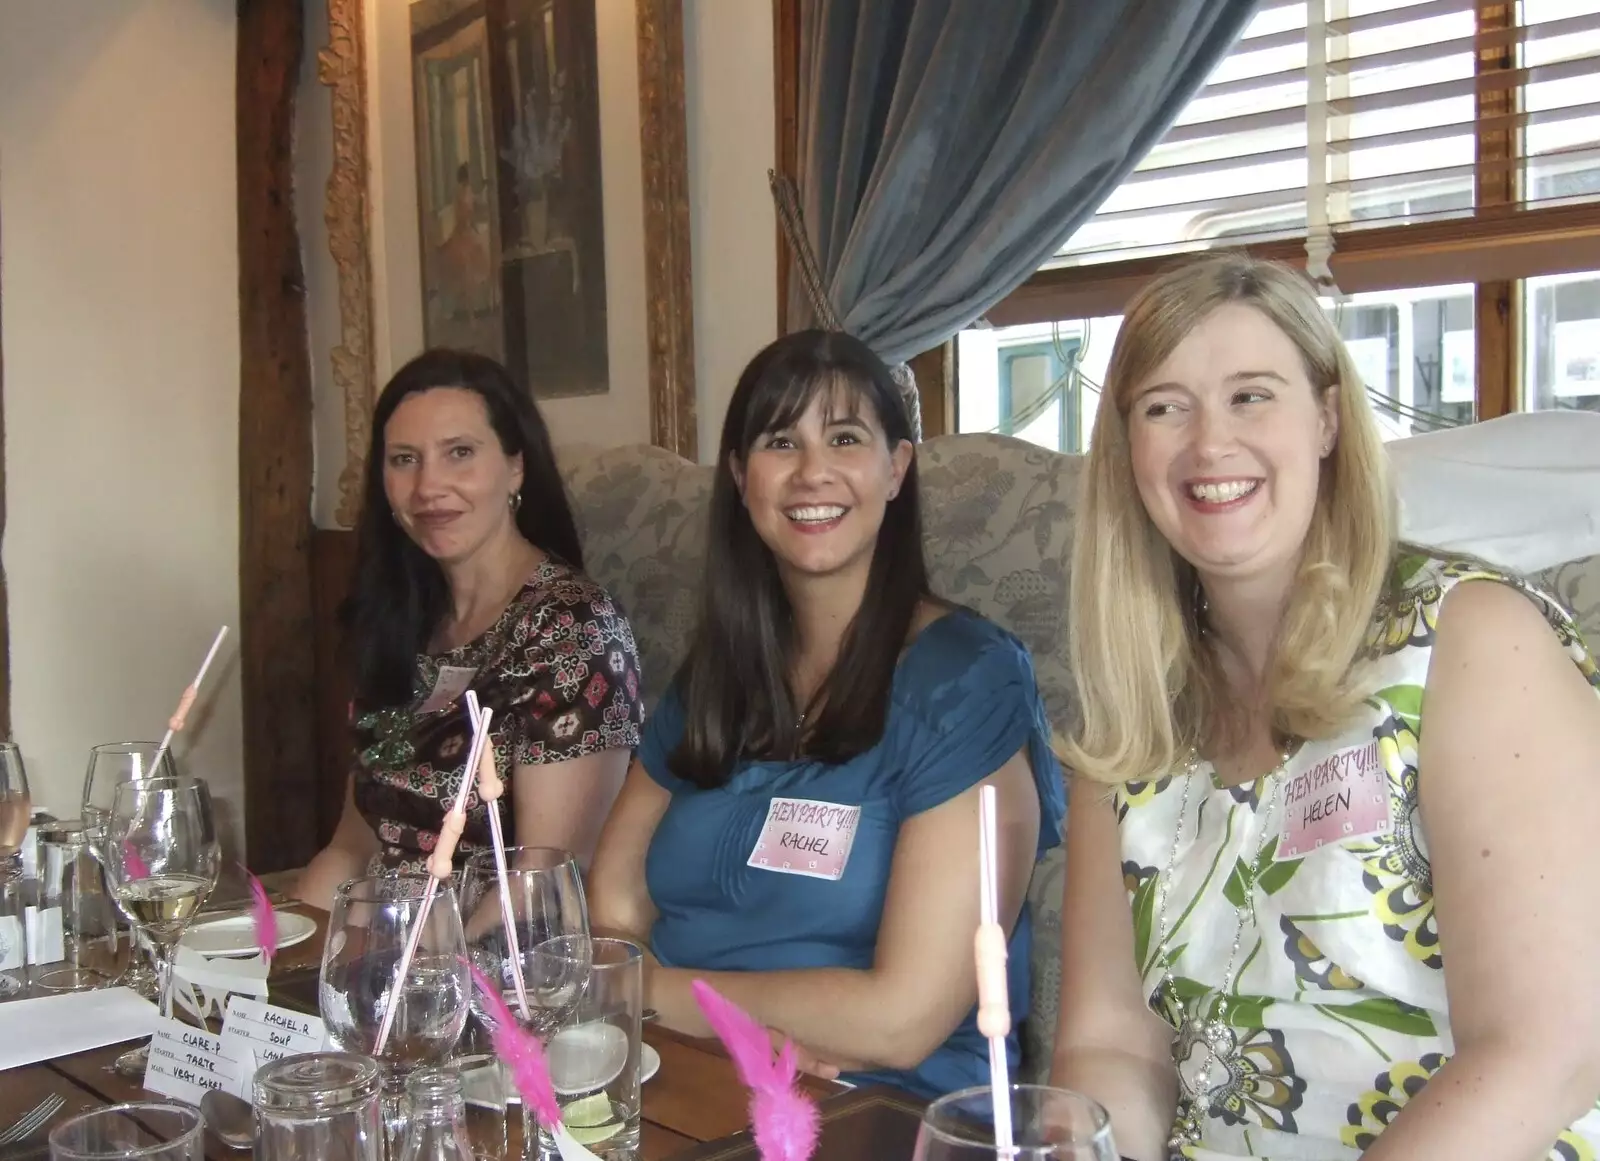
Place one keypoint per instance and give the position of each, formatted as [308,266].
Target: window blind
[1331,116]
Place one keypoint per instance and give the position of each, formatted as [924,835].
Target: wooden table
[696,1097]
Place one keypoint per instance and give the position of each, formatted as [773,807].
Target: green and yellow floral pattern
[1337,1014]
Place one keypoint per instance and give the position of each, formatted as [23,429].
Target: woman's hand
[346,856]
[810,1062]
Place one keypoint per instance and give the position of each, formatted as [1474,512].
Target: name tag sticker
[1345,796]
[451,683]
[801,837]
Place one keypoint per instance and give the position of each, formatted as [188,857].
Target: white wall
[728,98]
[121,333]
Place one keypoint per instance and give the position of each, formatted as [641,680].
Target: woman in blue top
[799,826]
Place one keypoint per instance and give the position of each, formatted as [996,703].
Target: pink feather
[266,919]
[783,1119]
[133,866]
[520,1051]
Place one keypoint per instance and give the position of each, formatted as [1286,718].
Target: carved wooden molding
[669,284]
[342,66]
[669,291]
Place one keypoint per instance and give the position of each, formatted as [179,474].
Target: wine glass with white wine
[16,807]
[110,765]
[162,860]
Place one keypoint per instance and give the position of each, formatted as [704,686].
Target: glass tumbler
[321,1104]
[73,935]
[148,1130]
[1047,1124]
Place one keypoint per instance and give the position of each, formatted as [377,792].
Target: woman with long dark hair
[469,575]
[800,825]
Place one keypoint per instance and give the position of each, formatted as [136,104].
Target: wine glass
[16,809]
[1047,1124]
[547,905]
[162,859]
[372,920]
[110,765]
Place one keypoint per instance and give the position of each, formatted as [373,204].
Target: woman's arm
[345,857]
[619,900]
[564,804]
[1109,1044]
[1510,784]
[921,984]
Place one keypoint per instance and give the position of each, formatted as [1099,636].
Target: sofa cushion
[641,514]
[998,515]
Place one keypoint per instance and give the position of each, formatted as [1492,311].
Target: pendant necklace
[1205,1038]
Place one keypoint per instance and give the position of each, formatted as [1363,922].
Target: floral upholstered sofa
[999,517]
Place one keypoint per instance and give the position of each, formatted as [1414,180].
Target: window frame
[1494,248]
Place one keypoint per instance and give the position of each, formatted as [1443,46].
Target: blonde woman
[1298,925]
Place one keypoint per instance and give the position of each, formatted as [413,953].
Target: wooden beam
[786,154]
[333,567]
[934,370]
[278,665]
[1497,314]
[669,286]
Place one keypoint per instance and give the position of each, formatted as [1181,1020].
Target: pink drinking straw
[441,863]
[489,789]
[989,951]
[186,702]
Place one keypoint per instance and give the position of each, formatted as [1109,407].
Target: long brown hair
[734,686]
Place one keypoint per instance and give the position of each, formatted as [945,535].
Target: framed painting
[506,105]
[456,186]
[481,122]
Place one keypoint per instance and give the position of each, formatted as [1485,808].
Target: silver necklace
[1203,1026]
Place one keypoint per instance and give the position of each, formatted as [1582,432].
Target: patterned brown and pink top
[561,673]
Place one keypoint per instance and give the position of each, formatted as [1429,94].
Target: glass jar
[436,1117]
[322,1104]
[73,938]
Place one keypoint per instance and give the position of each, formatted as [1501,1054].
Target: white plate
[232,936]
[474,1088]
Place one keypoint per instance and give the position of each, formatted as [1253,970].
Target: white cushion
[1521,491]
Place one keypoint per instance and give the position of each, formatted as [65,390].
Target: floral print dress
[1337,1015]
[559,670]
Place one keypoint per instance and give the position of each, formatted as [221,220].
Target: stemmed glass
[110,765]
[1047,1124]
[547,904]
[162,859]
[16,808]
[371,921]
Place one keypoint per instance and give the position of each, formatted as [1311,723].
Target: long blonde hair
[1150,690]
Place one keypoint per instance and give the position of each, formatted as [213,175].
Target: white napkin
[52,1026]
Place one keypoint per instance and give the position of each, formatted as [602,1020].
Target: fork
[34,1119]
